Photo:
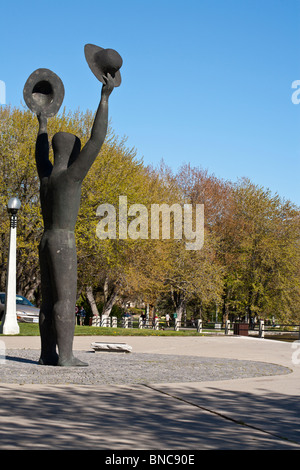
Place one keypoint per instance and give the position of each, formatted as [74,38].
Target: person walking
[82,315]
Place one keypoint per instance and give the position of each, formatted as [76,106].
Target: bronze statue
[60,191]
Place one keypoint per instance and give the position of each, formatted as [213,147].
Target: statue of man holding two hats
[60,192]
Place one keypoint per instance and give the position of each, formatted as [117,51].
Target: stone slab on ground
[111,347]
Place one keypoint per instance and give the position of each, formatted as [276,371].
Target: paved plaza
[169,393]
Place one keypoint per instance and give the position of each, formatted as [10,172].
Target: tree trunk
[91,299]
[180,310]
[107,307]
[110,297]
[225,312]
[179,303]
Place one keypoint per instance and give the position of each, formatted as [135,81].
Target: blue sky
[207,82]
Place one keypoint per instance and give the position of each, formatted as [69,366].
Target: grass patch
[98,331]
[32,329]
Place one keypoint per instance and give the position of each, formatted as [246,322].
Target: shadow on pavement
[137,417]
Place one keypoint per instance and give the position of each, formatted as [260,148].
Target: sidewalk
[260,412]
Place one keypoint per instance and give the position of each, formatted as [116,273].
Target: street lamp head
[13,205]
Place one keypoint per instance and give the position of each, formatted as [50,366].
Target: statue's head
[66,148]
[103,61]
[44,92]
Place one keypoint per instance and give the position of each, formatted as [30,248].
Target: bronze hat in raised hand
[103,61]
[44,92]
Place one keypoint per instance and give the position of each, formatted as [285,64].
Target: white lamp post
[9,324]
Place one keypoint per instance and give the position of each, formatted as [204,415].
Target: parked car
[26,311]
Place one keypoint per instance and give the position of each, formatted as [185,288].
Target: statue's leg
[48,355]
[64,283]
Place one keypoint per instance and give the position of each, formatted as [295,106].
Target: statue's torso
[60,201]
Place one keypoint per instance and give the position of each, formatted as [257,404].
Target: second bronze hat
[103,61]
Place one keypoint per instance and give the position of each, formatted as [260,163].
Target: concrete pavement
[260,412]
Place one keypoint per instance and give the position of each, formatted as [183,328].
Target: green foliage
[263,276]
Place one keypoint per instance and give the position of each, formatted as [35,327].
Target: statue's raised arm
[88,154]
[43,164]
[105,64]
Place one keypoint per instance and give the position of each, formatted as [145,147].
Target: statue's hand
[108,86]
[42,119]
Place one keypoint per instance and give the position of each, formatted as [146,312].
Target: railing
[265,330]
[260,329]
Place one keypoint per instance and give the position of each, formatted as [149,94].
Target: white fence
[229,328]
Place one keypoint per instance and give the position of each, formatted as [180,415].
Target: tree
[194,275]
[263,241]
[188,274]
[257,244]
[197,186]
[18,178]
